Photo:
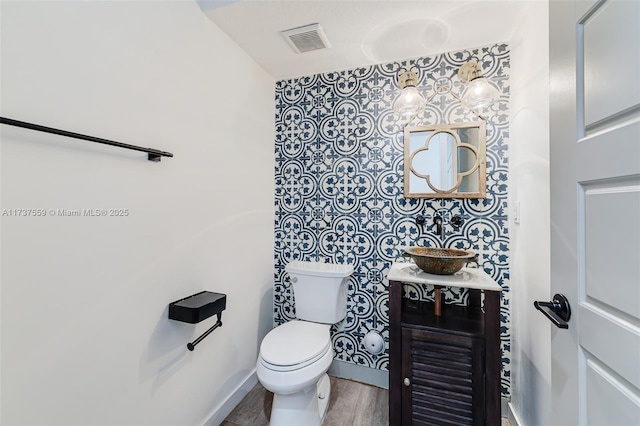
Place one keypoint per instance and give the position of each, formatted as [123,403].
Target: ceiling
[361,32]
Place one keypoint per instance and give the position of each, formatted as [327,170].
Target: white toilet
[294,357]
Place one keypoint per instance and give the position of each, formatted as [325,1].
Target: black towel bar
[154,154]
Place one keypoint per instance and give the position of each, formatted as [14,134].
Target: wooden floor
[351,403]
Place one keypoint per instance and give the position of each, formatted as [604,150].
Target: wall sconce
[410,102]
[479,93]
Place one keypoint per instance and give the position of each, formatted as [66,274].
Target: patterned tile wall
[339,178]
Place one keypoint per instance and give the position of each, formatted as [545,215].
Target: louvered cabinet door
[443,380]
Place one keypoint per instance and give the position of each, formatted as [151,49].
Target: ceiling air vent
[307,38]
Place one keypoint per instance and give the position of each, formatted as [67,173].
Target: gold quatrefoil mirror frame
[445,161]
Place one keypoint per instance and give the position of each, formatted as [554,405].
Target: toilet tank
[319,290]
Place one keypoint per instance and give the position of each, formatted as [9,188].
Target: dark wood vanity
[444,369]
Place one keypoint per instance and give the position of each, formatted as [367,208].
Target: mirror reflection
[445,161]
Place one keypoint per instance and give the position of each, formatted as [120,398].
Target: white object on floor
[295,356]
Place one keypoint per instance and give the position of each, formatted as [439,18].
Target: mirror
[445,161]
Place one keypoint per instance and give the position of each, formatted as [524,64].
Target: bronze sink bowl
[440,261]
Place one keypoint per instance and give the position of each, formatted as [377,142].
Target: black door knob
[558,310]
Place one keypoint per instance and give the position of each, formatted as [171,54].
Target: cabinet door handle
[406,381]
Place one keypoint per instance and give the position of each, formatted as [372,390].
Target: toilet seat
[294,345]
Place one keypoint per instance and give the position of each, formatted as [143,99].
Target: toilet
[295,356]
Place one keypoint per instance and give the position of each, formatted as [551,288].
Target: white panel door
[595,209]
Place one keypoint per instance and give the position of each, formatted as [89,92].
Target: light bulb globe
[480,94]
[410,102]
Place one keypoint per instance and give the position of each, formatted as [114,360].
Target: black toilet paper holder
[196,308]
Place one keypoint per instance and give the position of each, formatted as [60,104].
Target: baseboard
[370,376]
[504,407]
[227,406]
[514,419]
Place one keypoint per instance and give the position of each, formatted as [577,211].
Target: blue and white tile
[339,188]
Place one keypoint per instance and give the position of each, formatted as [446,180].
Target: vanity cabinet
[444,369]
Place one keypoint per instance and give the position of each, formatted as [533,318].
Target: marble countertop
[473,278]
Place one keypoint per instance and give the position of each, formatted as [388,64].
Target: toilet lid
[295,342]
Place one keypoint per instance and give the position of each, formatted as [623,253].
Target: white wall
[85,334]
[530,240]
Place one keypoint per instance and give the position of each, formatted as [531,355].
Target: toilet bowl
[292,371]
[295,356]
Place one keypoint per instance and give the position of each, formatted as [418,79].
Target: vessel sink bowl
[440,261]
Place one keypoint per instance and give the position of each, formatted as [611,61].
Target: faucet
[437,221]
